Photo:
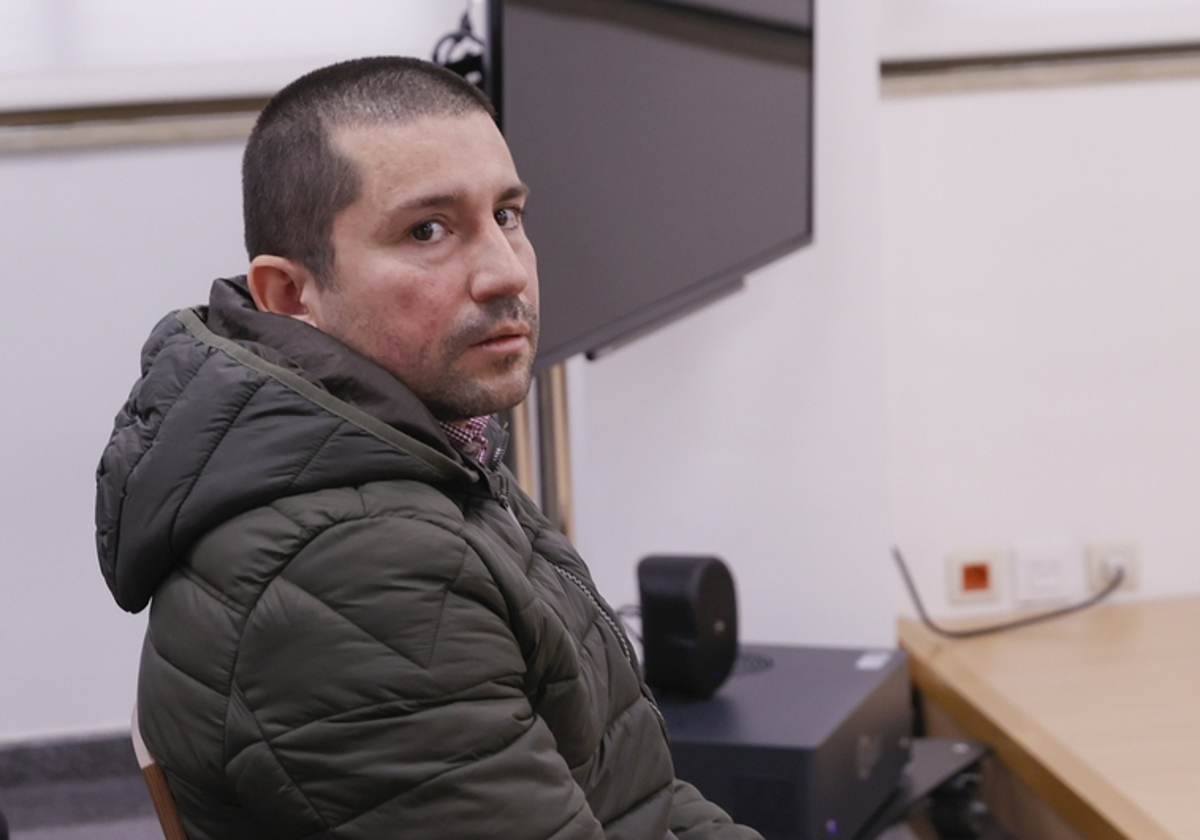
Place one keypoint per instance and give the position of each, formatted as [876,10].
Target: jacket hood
[234,409]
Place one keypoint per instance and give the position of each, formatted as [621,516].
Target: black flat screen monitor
[668,147]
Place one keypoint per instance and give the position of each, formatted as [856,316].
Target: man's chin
[473,397]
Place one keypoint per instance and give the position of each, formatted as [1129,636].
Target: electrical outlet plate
[1104,557]
[1048,573]
[973,577]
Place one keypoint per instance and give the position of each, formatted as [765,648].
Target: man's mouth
[506,338]
[503,327]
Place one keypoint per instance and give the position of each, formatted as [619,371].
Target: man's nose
[498,269]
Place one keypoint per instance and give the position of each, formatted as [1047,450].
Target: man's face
[434,278]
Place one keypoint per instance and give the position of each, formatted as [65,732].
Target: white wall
[755,429]
[1043,273]
[97,247]
[59,53]
[1040,258]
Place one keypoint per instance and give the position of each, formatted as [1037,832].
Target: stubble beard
[456,394]
[433,372]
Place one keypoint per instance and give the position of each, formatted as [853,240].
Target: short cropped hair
[294,183]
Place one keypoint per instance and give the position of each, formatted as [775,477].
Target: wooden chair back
[156,782]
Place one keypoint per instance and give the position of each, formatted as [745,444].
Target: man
[360,627]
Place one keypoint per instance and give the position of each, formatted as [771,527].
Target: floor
[75,790]
[144,829]
[100,809]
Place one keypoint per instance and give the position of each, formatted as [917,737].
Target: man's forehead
[474,128]
[428,149]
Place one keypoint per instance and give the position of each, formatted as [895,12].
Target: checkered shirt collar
[467,436]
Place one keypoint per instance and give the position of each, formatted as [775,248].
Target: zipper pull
[503,492]
[503,496]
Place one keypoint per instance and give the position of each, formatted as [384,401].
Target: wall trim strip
[1030,70]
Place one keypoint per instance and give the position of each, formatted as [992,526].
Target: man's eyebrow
[520,190]
[447,199]
[424,202]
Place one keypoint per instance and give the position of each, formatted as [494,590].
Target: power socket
[1103,558]
[974,577]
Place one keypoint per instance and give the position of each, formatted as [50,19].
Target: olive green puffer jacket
[354,632]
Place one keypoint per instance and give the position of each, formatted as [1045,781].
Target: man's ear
[282,286]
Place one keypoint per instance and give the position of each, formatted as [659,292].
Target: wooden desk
[1098,713]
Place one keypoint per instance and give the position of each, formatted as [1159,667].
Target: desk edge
[1091,804]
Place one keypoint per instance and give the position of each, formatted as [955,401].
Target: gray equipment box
[801,743]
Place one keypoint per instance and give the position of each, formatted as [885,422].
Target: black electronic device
[465,53]
[689,623]
[801,743]
[668,147]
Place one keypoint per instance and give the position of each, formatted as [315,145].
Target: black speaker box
[689,623]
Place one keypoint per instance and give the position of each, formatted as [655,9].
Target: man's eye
[428,231]
[508,217]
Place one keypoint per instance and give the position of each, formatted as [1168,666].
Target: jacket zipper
[502,496]
[619,632]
